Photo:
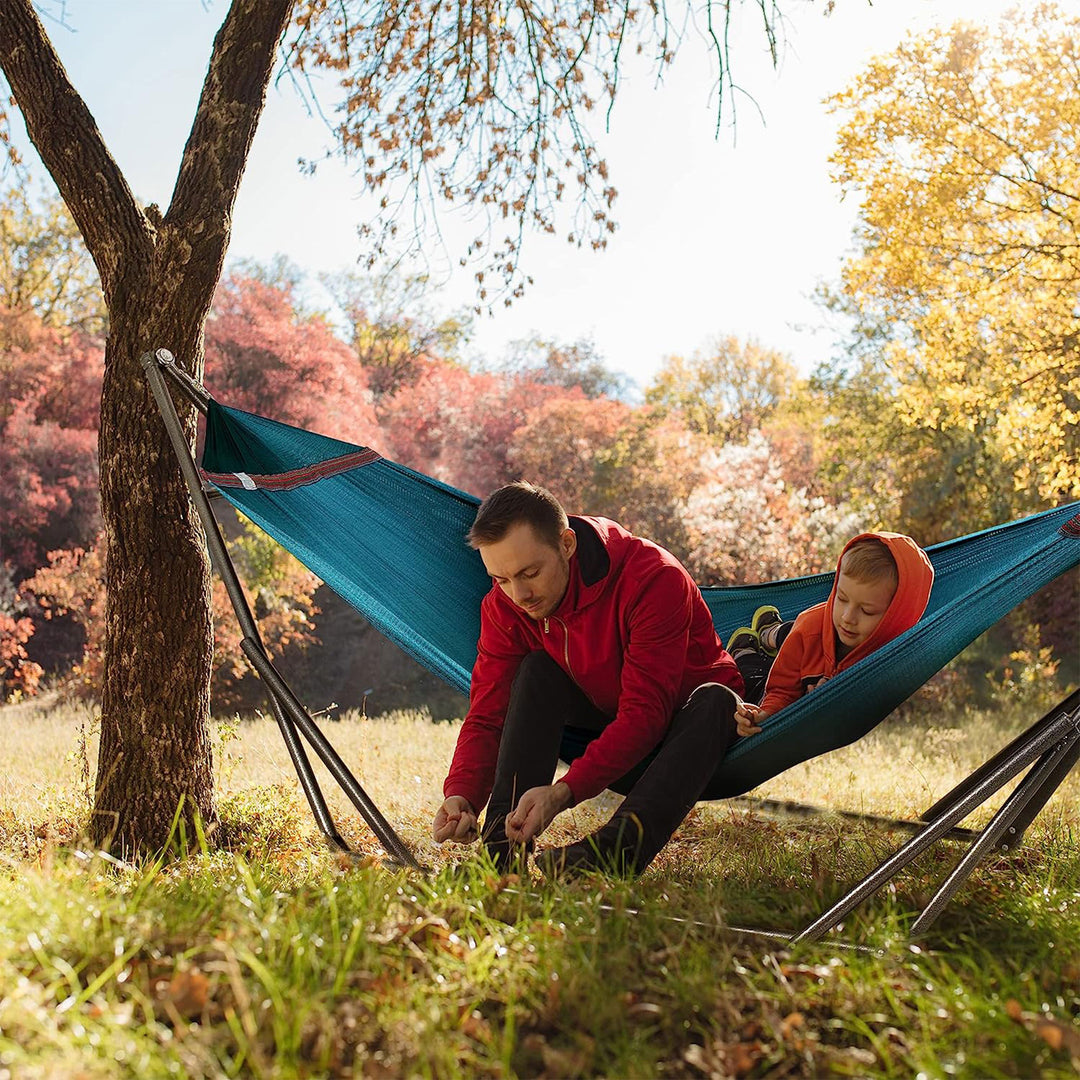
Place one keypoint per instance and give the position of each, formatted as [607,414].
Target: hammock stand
[1049,749]
[293,719]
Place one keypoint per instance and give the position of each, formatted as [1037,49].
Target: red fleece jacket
[809,651]
[633,631]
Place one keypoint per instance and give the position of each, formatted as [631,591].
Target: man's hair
[870,560]
[513,504]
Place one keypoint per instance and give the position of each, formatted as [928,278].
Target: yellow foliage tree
[725,390]
[962,145]
[44,264]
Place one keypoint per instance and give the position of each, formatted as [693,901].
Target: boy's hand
[535,811]
[455,820]
[748,718]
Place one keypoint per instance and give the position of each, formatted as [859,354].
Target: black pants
[755,664]
[549,716]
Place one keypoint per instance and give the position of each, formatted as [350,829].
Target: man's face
[533,574]
[858,608]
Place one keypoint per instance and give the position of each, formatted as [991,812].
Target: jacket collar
[591,563]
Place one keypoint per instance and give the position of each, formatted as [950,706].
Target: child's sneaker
[743,640]
[765,617]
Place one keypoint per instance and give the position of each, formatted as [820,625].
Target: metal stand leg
[330,757]
[302,765]
[1015,834]
[1038,743]
[288,712]
[1032,784]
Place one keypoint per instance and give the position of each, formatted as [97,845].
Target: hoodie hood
[915,577]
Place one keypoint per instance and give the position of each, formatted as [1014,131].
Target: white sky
[717,235]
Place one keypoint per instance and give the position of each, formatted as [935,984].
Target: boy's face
[858,608]
[532,573]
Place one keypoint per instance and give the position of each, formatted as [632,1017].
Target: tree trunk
[158,276]
[155,741]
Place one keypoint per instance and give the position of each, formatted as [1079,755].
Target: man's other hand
[536,810]
[455,820]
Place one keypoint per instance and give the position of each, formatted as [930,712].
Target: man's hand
[455,820]
[536,810]
[748,718]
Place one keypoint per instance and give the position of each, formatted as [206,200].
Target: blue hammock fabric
[391,542]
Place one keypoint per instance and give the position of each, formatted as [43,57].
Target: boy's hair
[515,503]
[870,560]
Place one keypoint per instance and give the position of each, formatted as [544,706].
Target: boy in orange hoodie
[881,589]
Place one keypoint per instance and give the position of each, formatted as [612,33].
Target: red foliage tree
[72,585]
[50,386]
[459,426]
[19,675]
[278,589]
[265,357]
[604,457]
[564,444]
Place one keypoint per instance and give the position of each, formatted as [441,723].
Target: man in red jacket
[598,644]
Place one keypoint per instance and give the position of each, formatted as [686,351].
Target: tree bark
[158,276]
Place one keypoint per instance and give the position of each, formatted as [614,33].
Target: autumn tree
[605,457]
[458,425]
[264,356]
[44,265]
[71,585]
[561,445]
[158,272]
[19,674]
[745,522]
[725,390]
[50,389]
[392,327]
[961,146]
[939,482]
[572,365]
[478,104]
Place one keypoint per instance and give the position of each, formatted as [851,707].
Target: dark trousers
[549,716]
[754,667]
[755,664]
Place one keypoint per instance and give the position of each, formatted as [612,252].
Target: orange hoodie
[809,651]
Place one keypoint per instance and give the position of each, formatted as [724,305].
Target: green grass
[271,957]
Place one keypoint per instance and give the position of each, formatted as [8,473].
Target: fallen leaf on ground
[1056,1034]
[187,992]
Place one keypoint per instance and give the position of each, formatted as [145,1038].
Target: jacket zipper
[566,646]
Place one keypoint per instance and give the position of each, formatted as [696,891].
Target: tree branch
[66,136]
[217,149]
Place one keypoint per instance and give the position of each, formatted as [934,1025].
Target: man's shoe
[615,848]
[765,617]
[744,639]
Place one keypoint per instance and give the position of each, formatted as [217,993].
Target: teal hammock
[391,542]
